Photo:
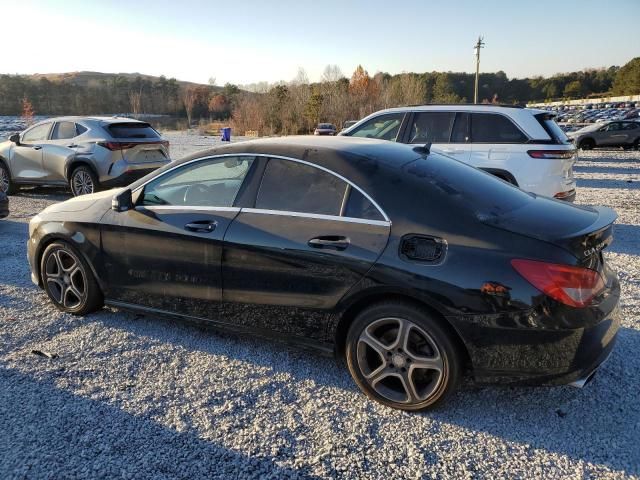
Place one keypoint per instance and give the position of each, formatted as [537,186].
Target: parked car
[522,146]
[410,265]
[325,129]
[86,153]
[349,124]
[610,134]
[4,205]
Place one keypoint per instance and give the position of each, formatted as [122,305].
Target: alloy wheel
[4,180]
[65,279]
[400,360]
[82,183]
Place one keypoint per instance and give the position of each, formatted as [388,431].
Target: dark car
[412,266]
[4,205]
[325,129]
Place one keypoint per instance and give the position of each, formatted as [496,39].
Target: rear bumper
[127,177]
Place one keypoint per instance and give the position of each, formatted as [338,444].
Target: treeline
[297,106]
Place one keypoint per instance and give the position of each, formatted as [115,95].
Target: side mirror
[15,138]
[122,202]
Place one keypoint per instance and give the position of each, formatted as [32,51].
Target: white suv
[522,146]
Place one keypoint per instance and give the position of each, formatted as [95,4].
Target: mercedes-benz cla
[411,266]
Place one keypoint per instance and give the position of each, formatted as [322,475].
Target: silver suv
[612,134]
[86,153]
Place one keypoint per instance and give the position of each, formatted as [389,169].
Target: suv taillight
[573,286]
[117,145]
[552,154]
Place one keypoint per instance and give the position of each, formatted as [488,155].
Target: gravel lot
[141,397]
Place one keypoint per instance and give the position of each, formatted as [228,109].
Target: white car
[523,146]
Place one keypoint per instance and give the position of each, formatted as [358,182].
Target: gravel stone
[132,396]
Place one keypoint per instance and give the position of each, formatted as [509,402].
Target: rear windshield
[132,130]
[552,128]
[325,125]
[488,196]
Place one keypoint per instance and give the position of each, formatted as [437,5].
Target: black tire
[587,144]
[83,181]
[68,280]
[636,144]
[6,185]
[387,372]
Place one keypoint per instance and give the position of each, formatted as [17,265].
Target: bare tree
[135,101]
[189,96]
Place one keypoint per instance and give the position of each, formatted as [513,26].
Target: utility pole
[479,45]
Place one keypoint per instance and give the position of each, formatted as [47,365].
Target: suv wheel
[402,357]
[68,280]
[83,181]
[6,185]
[587,144]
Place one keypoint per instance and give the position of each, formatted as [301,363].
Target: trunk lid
[583,231]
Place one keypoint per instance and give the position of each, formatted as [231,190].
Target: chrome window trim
[155,208]
[320,216]
[280,157]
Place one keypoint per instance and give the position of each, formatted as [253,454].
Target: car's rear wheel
[402,357]
[83,181]
[6,185]
[69,281]
[587,144]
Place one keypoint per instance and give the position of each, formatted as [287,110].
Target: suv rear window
[132,130]
[551,127]
[494,128]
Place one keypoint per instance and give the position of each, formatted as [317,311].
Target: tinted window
[460,132]
[37,134]
[132,130]
[80,129]
[431,127]
[631,125]
[552,128]
[296,187]
[359,206]
[494,128]
[63,130]
[383,127]
[209,183]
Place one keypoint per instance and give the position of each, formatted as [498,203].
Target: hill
[95,79]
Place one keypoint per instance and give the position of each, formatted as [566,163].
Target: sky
[244,42]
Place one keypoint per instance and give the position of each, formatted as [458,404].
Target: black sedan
[4,204]
[410,265]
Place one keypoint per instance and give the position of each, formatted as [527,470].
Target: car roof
[102,119]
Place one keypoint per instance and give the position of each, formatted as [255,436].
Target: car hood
[579,229]
[82,202]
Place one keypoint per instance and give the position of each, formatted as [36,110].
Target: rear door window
[297,187]
[460,132]
[63,131]
[434,127]
[383,127]
[132,130]
[494,128]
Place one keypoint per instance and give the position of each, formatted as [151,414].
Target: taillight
[552,154]
[117,145]
[573,286]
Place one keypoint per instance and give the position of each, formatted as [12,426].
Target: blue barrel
[226,134]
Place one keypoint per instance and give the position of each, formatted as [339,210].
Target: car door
[166,252]
[309,238]
[59,150]
[26,158]
[614,135]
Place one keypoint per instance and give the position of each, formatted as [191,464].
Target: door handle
[451,150]
[37,148]
[203,226]
[72,146]
[330,241]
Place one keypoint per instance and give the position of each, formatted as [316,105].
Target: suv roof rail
[504,105]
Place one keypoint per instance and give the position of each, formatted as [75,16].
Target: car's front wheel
[6,185]
[402,357]
[83,181]
[587,144]
[69,281]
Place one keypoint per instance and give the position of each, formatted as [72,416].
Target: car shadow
[625,239]
[549,418]
[41,422]
[608,183]
[607,170]
[45,192]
